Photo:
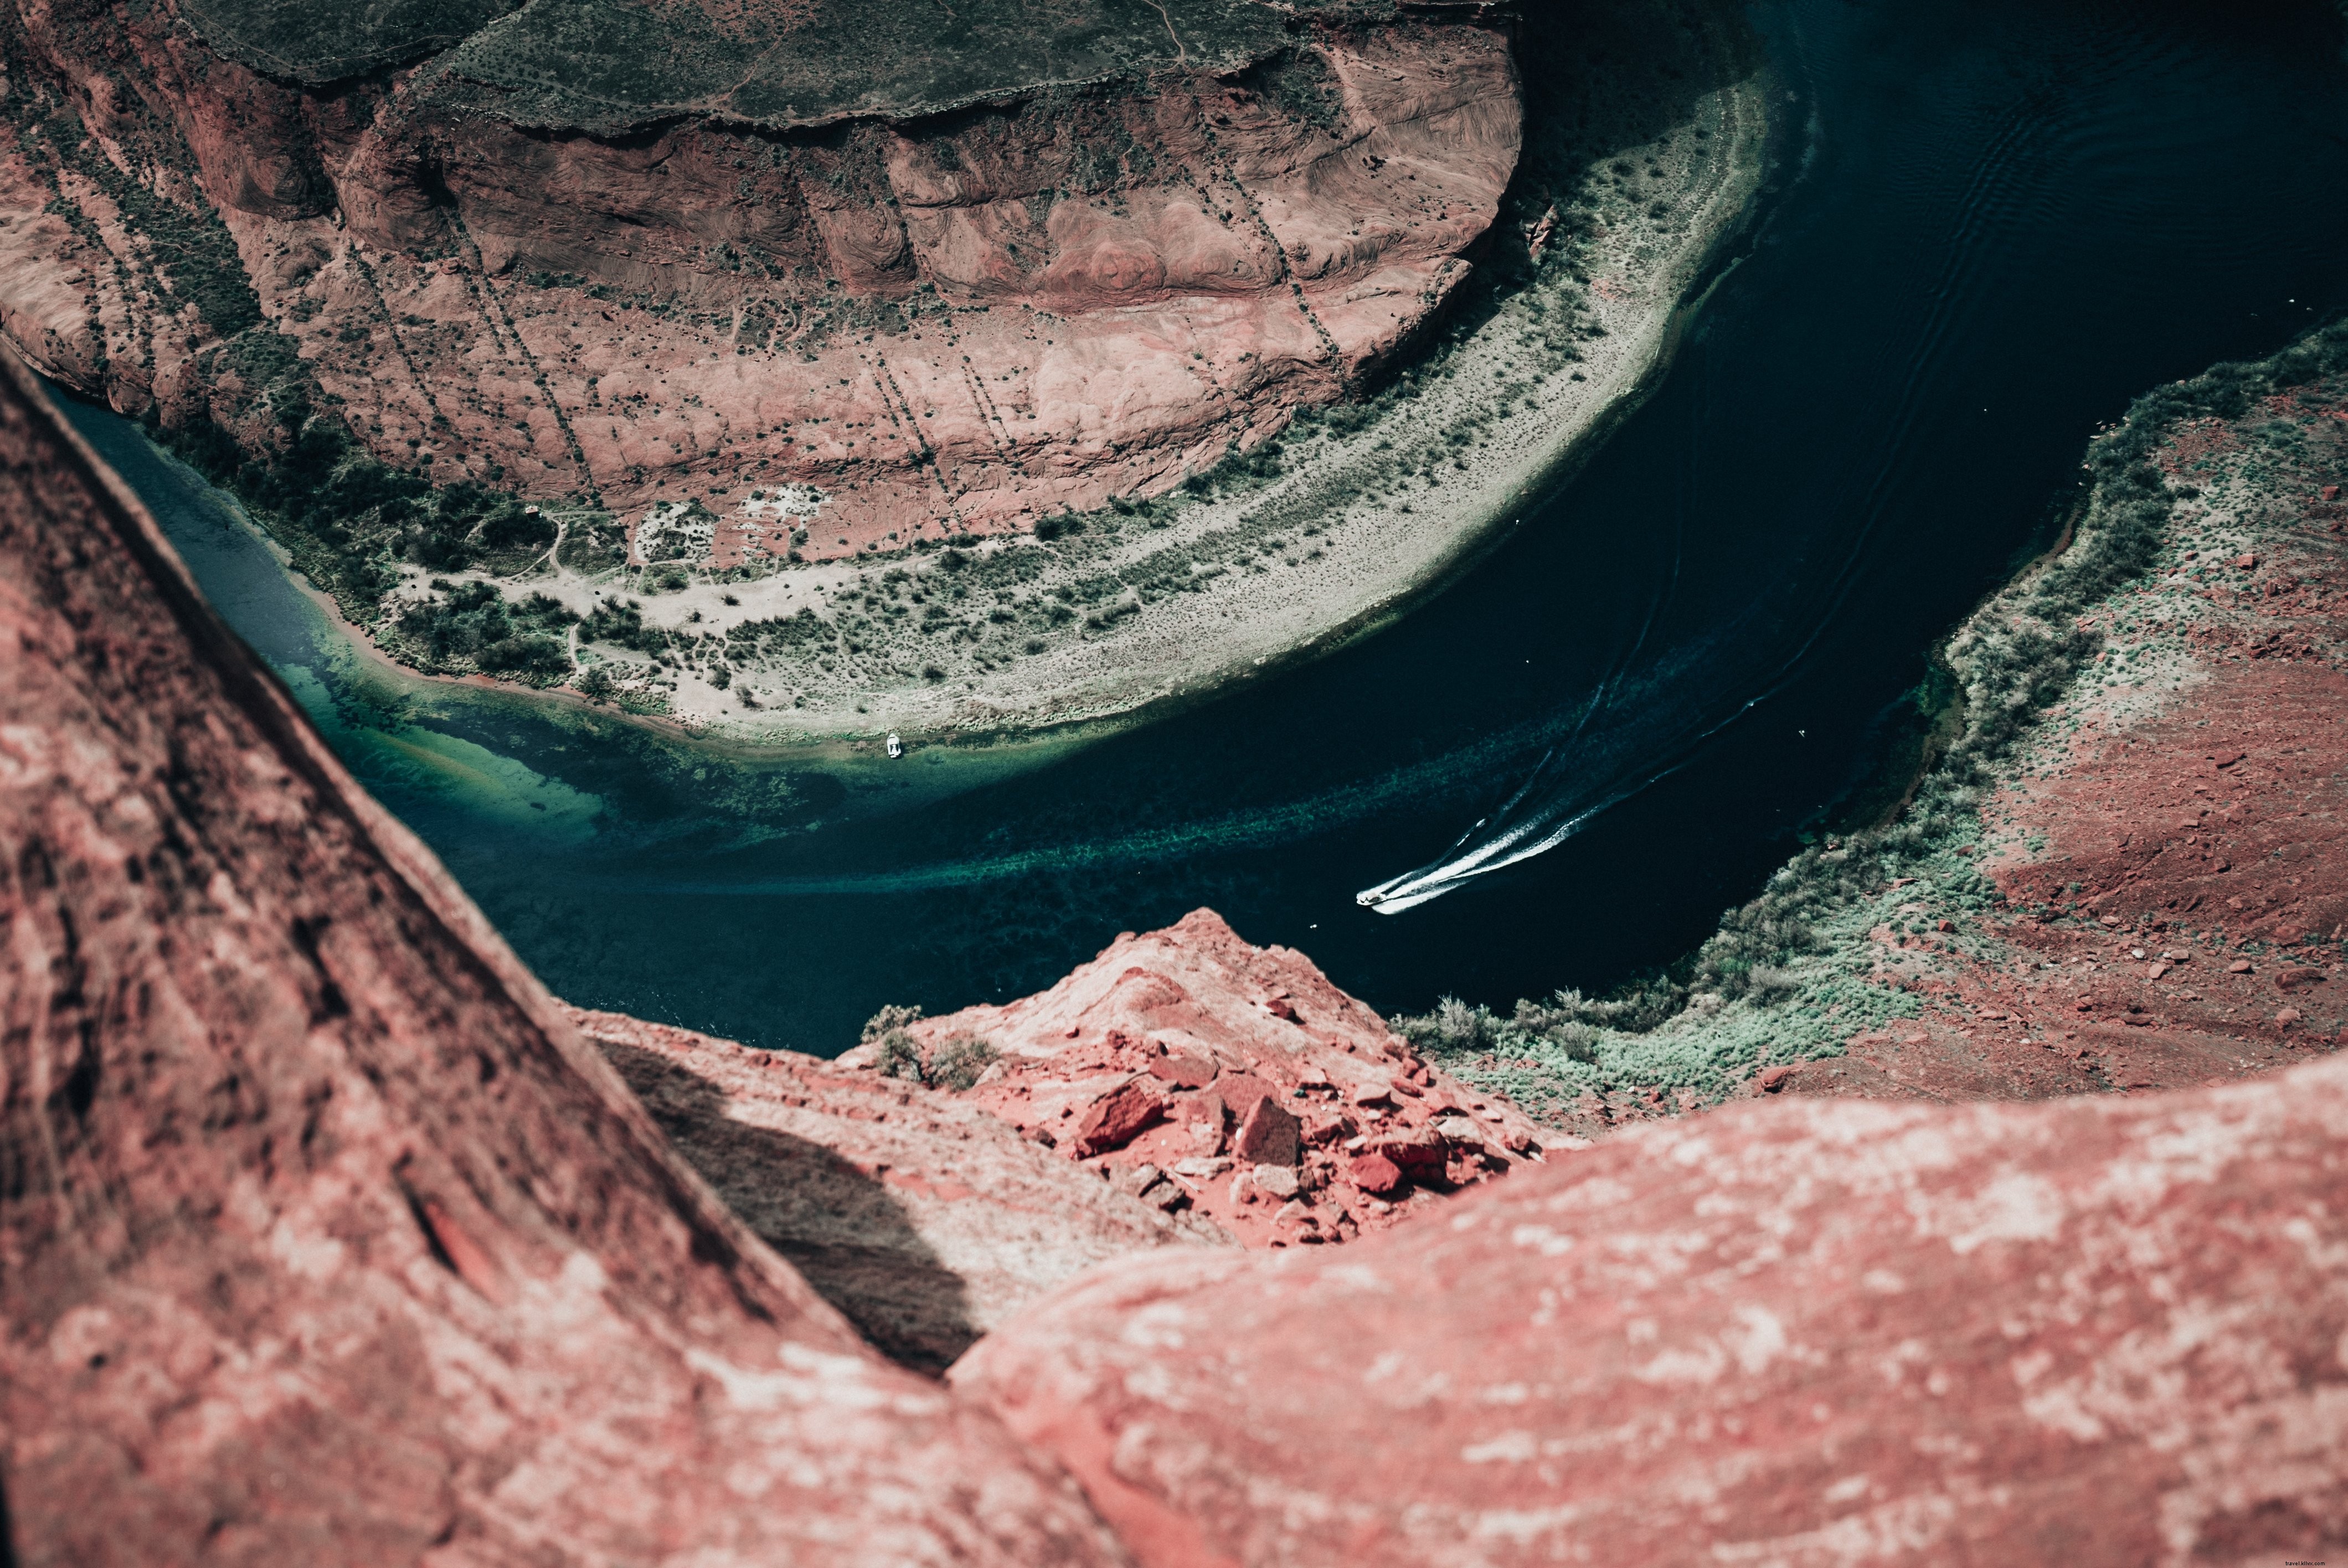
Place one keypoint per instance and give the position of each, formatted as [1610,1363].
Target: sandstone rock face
[324,1238]
[1808,1332]
[1236,1083]
[938,326]
[927,1221]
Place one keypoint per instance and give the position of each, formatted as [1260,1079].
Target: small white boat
[896,746]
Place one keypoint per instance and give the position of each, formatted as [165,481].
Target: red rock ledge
[1204,1074]
[2103,1330]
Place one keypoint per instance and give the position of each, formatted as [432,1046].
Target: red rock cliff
[944,325]
[324,1238]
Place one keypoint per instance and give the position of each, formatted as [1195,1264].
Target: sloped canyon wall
[948,281]
[323,1237]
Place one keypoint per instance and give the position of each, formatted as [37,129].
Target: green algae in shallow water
[498,788]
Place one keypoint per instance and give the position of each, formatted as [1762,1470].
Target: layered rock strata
[568,266]
[1209,1076]
[323,1237]
[1802,1334]
[927,1221]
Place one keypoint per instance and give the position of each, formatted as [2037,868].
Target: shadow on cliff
[837,1223]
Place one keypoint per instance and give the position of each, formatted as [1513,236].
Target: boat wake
[1611,756]
[1636,731]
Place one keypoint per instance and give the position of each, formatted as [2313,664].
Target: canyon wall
[323,1237]
[576,260]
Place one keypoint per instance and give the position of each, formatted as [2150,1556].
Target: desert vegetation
[953,1063]
[1791,974]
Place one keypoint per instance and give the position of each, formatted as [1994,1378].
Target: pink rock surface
[1206,1029]
[923,1219]
[323,1237]
[2092,1331]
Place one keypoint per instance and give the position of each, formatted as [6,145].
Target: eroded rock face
[926,1220]
[943,325]
[1214,1077]
[324,1238]
[2101,1330]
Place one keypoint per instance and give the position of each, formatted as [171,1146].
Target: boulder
[1374,1174]
[1178,1019]
[1801,1332]
[1117,1117]
[1280,1180]
[1270,1135]
[1419,1153]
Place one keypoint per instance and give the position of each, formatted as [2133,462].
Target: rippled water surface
[1992,224]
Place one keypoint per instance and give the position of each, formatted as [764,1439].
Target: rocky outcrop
[1210,1076]
[917,323]
[1185,1087]
[323,1237]
[927,1221]
[326,1237]
[1802,1334]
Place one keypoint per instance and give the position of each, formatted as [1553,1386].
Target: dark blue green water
[1994,225]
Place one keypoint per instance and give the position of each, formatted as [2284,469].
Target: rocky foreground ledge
[326,1237]
[1183,1088]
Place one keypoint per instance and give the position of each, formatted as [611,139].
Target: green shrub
[889,1020]
[899,1056]
[957,1062]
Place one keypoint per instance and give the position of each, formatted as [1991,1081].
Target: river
[1993,224]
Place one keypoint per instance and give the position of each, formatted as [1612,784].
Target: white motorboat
[896,746]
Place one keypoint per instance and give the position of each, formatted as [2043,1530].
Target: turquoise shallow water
[1995,222]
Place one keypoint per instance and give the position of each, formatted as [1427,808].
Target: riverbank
[2123,871]
[1281,551]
